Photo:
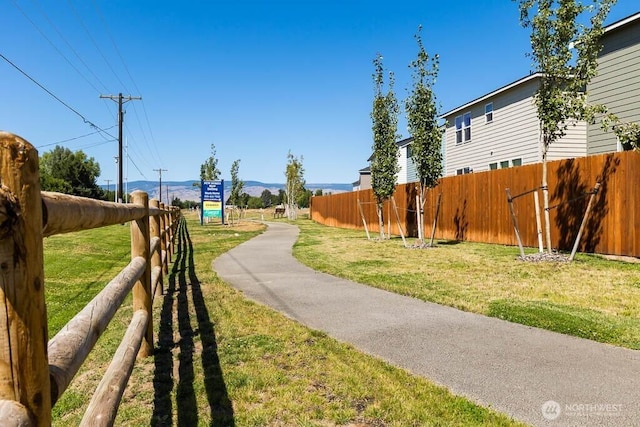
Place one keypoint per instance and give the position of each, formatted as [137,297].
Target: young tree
[64,171]
[236,184]
[565,51]
[209,169]
[295,183]
[422,120]
[235,198]
[384,162]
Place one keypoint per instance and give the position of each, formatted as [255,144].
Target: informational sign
[212,200]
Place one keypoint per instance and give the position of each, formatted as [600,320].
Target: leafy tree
[422,119]
[295,183]
[266,198]
[304,198]
[628,133]
[281,197]
[244,199]
[255,202]
[209,169]
[384,164]
[318,192]
[236,185]
[565,51]
[64,171]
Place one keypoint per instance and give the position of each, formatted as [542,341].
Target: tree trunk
[419,218]
[379,211]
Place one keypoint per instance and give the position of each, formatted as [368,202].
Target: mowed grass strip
[221,359]
[591,298]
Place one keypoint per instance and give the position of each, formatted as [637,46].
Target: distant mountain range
[185,190]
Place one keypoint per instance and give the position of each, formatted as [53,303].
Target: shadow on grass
[176,298]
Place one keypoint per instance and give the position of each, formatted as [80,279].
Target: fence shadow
[568,194]
[460,221]
[176,299]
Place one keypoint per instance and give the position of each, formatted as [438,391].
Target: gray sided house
[364,180]
[617,84]
[501,129]
[407,167]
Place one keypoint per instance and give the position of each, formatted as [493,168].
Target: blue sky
[255,78]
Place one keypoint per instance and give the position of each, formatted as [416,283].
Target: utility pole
[160,192]
[120,100]
[108,188]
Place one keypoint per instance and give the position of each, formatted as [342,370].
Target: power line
[84,119]
[93,41]
[135,110]
[53,45]
[69,45]
[75,138]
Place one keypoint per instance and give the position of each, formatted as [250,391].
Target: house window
[463,171]
[459,172]
[463,128]
[493,166]
[488,112]
[516,162]
[408,151]
[504,164]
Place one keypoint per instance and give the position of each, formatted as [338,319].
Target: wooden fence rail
[35,372]
[474,206]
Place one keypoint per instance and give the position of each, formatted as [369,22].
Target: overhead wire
[84,119]
[95,44]
[53,45]
[153,149]
[74,138]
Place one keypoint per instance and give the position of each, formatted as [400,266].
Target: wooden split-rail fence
[35,371]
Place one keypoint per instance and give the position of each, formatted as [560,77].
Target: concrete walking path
[533,375]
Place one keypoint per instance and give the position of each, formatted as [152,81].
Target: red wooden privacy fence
[35,371]
[474,206]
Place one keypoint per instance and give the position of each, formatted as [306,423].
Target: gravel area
[545,257]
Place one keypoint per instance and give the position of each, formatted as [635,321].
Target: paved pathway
[510,367]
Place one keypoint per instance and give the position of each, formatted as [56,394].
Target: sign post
[212,200]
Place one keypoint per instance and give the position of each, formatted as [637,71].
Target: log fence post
[140,242]
[24,369]
[163,240]
[156,256]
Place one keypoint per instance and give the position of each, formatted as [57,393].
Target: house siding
[412,172]
[617,84]
[512,134]
[402,162]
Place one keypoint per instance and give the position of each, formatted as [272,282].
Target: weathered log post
[163,240]
[167,214]
[156,256]
[142,298]
[24,371]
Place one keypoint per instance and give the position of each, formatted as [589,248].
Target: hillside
[185,190]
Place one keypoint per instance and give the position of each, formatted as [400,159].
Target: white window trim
[463,128]
[487,113]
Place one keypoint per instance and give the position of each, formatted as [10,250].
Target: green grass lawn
[592,297]
[221,359]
